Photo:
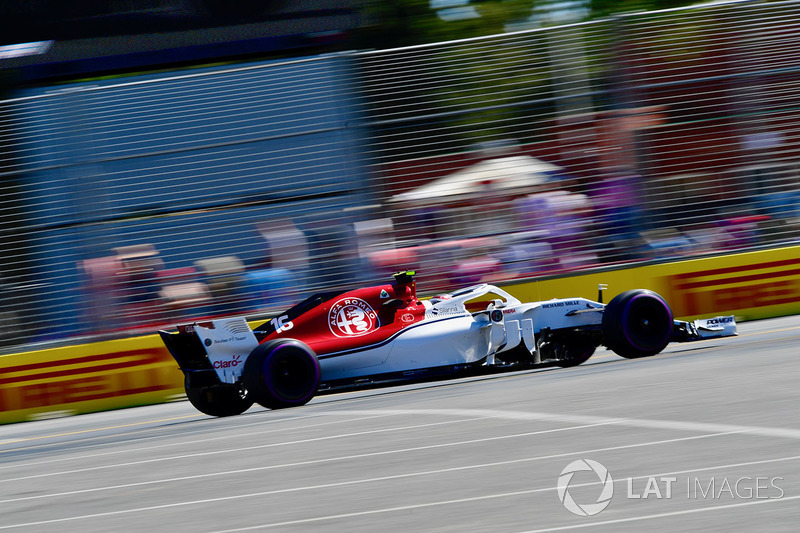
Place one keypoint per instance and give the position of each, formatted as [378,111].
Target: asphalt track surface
[705,436]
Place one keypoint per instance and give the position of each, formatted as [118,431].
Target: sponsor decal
[89,378]
[436,311]
[351,317]
[561,304]
[230,363]
[226,340]
[731,288]
[407,318]
[384,294]
[720,320]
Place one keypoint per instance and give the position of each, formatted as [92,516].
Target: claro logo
[232,363]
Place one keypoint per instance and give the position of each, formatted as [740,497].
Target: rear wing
[221,345]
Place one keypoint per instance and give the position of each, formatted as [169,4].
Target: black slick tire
[281,373]
[637,323]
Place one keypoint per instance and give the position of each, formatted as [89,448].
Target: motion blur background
[171,159]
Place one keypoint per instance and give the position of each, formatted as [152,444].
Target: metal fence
[132,204]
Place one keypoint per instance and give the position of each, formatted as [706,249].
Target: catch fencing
[132,204]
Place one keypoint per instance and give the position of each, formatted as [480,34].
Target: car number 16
[282,323]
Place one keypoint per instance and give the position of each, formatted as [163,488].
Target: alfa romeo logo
[352,316]
[588,509]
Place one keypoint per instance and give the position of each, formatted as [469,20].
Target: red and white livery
[385,333]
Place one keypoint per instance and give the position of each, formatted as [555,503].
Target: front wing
[705,328]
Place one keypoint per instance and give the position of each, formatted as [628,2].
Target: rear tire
[637,323]
[281,373]
[216,399]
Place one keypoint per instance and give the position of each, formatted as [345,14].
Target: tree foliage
[605,8]
[399,23]
[409,22]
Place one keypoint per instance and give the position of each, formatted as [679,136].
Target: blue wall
[189,162]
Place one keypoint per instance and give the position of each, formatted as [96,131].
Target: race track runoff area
[701,437]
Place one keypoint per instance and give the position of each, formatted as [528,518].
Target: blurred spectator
[564,220]
[617,202]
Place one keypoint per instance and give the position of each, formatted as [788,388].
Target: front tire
[282,373]
[637,323]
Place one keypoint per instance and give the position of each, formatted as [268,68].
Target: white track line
[375,511]
[662,515]
[699,427]
[711,429]
[309,462]
[490,497]
[268,431]
[242,449]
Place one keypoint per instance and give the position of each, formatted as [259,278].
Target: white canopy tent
[517,175]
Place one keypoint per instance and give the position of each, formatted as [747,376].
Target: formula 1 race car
[384,334]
